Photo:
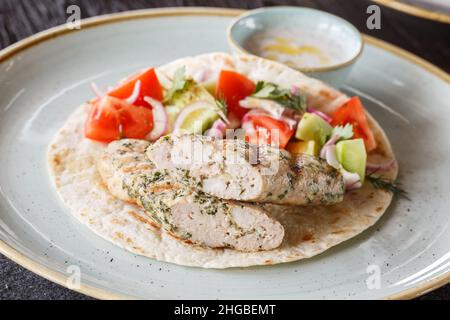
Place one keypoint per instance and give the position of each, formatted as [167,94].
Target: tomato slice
[102,124]
[233,87]
[112,119]
[267,130]
[150,87]
[353,112]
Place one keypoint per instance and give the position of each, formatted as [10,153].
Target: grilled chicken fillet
[234,169]
[184,212]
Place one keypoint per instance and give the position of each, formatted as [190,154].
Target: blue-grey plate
[45,77]
[436,10]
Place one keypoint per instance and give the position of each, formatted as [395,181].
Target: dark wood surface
[22,18]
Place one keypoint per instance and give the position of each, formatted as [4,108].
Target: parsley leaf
[271,91]
[344,132]
[179,84]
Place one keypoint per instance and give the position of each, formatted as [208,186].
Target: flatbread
[309,230]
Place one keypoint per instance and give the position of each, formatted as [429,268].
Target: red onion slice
[99,93]
[247,126]
[273,108]
[330,156]
[331,142]
[295,90]
[135,94]
[214,133]
[270,108]
[217,130]
[101,105]
[254,112]
[219,125]
[382,167]
[203,75]
[351,180]
[160,119]
[324,116]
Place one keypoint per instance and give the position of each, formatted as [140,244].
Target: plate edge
[415,10]
[54,32]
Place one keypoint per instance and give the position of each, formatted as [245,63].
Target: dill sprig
[222,108]
[388,185]
[222,105]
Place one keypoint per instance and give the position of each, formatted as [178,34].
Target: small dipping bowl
[314,42]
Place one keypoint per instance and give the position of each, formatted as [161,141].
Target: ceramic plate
[44,78]
[436,10]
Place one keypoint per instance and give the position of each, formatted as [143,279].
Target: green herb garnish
[271,91]
[187,235]
[344,132]
[180,83]
[387,185]
[222,105]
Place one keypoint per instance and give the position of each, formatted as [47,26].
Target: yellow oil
[287,46]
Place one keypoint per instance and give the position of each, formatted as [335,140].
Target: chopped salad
[140,108]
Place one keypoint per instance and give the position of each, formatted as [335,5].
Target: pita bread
[309,230]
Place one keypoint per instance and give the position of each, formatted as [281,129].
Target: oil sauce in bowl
[296,49]
[317,43]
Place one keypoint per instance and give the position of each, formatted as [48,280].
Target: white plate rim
[61,30]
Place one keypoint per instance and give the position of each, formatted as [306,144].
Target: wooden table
[21,18]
